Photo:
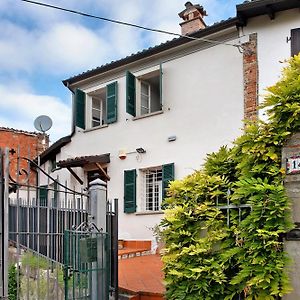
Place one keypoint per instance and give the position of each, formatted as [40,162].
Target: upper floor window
[144,93]
[97,108]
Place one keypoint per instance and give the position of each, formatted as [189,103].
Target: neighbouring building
[151,117]
[23,144]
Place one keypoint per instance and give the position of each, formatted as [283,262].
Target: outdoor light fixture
[140,150]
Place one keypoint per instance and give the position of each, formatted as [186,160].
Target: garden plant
[206,257]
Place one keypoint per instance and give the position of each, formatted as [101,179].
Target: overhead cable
[129,24]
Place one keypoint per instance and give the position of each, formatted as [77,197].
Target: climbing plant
[208,258]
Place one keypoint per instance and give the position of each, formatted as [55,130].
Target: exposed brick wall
[29,145]
[250,70]
[191,26]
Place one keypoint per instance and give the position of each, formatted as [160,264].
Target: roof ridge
[2,128]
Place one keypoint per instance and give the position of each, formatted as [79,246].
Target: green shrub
[12,283]
[204,257]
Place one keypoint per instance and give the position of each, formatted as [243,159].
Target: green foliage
[12,283]
[34,261]
[205,258]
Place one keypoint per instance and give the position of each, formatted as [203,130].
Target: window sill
[95,128]
[148,115]
[143,213]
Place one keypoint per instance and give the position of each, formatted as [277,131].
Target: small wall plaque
[88,250]
[293,164]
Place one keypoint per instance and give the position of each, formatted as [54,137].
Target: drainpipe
[73,118]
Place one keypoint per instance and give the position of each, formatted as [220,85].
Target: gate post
[291,163]
[97,213]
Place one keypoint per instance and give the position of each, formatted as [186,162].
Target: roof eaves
[151,51]
[250,9]
[54,148]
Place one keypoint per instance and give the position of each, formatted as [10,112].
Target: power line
[128,24]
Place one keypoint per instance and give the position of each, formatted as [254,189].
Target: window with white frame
[151,189]
[98,109]
[145,98]
[149,96]
[144,93]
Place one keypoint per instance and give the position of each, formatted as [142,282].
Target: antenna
[42,123]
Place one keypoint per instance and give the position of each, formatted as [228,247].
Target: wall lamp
[140,150]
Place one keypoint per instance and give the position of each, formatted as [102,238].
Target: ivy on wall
[207,258]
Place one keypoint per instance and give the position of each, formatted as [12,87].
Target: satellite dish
[42,123]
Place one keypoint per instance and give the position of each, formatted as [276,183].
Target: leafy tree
[207,258]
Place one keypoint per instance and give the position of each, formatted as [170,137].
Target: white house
[151,117]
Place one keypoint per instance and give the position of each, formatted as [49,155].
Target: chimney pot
[192,18]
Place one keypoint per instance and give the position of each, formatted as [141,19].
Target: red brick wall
[29,145]
[250,71]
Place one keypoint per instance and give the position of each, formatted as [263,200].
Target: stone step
[130,253]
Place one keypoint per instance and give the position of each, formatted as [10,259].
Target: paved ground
[141,274]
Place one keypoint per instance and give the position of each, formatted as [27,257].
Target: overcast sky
[39,47]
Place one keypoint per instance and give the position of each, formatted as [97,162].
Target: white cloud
[20,108]
[40,40]
[63,48]
[70,48]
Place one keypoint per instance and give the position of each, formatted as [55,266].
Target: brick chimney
[192,18]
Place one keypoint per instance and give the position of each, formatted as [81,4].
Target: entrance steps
[130,249]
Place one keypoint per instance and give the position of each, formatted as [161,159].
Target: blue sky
[39,47]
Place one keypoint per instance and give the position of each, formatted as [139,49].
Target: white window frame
[91,96]
[148,96]
[98,109]
[151,178]
[140,79]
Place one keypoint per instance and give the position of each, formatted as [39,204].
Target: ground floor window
[152,189]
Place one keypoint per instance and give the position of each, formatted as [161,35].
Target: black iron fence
[39,210]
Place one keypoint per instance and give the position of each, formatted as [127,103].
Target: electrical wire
[129,24]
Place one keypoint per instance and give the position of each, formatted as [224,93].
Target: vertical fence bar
[2,219]
[37,233]
[28,224]
[5,222]
[115,262]
[18,229]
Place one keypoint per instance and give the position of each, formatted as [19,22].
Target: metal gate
[87,267]
[45,243]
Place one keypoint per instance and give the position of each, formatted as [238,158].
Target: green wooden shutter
[43,197]
[167,176]
[130,191]
[111,101]
[160,85]
[130,94]
[295,41]
[80,108]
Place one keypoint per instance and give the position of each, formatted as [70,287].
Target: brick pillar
[250,72]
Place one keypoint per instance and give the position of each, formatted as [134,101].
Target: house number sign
[293,164]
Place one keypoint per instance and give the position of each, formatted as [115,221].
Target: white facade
[202,106]
[273,43]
